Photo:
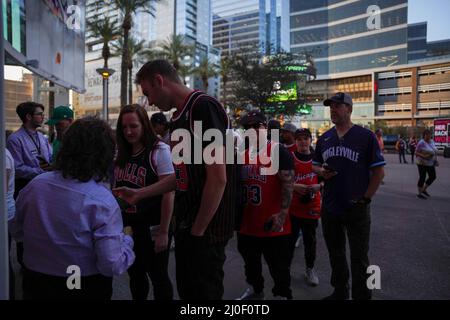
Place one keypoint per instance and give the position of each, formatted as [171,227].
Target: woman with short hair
[70,223]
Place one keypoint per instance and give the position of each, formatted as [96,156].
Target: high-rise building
[417,41]
[260,26]
[348,35]
[192,19]
[244,24]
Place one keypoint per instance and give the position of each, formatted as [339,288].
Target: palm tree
[225,69]
[128,8]
[175,49]
[106,30]
[204,71]
[184,71]
[135,49]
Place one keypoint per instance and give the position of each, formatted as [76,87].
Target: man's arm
[133,196]
[216,180]
[287,187]
[375,181]
[162,239]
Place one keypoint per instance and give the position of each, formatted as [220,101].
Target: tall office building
[417,41]
[191,18]
[243,24]
[350,35]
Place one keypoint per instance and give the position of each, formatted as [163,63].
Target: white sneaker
[311,277]
[249,294]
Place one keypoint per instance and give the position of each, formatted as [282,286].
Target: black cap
[253,117]
[340,97]
[159,118]
[303,132]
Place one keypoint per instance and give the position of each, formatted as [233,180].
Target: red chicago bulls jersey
[262,199]
[300,206]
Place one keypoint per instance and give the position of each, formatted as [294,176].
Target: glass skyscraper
[240,24]
[350,35]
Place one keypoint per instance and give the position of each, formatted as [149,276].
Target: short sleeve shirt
[352,156]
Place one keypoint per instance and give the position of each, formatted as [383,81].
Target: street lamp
[105,73]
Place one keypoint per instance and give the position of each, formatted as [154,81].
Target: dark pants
[423,171]
[276,252]
[149,264]
[413,151]
[199,267]
[12,278]
[401,154]
[39,286]
[308,227]
[356,223]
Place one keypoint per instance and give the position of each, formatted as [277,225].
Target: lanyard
[37,144]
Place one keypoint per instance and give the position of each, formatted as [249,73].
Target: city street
[410,242]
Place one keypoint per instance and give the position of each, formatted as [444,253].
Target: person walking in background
[426,154]
[412,147]
[68,218]
[62,118]
[400,146]
[143,160]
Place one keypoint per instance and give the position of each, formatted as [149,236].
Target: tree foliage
[257,77]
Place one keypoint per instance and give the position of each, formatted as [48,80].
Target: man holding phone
[350,160]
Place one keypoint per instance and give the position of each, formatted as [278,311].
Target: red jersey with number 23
[262,199]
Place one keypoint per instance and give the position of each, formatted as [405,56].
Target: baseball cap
[253,117]
[60,113]
[159,118]
[303,132]
[340,97]
[289,127]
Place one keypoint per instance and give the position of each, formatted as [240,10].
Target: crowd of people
[110,203]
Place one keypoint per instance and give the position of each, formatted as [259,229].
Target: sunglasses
[38,114]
